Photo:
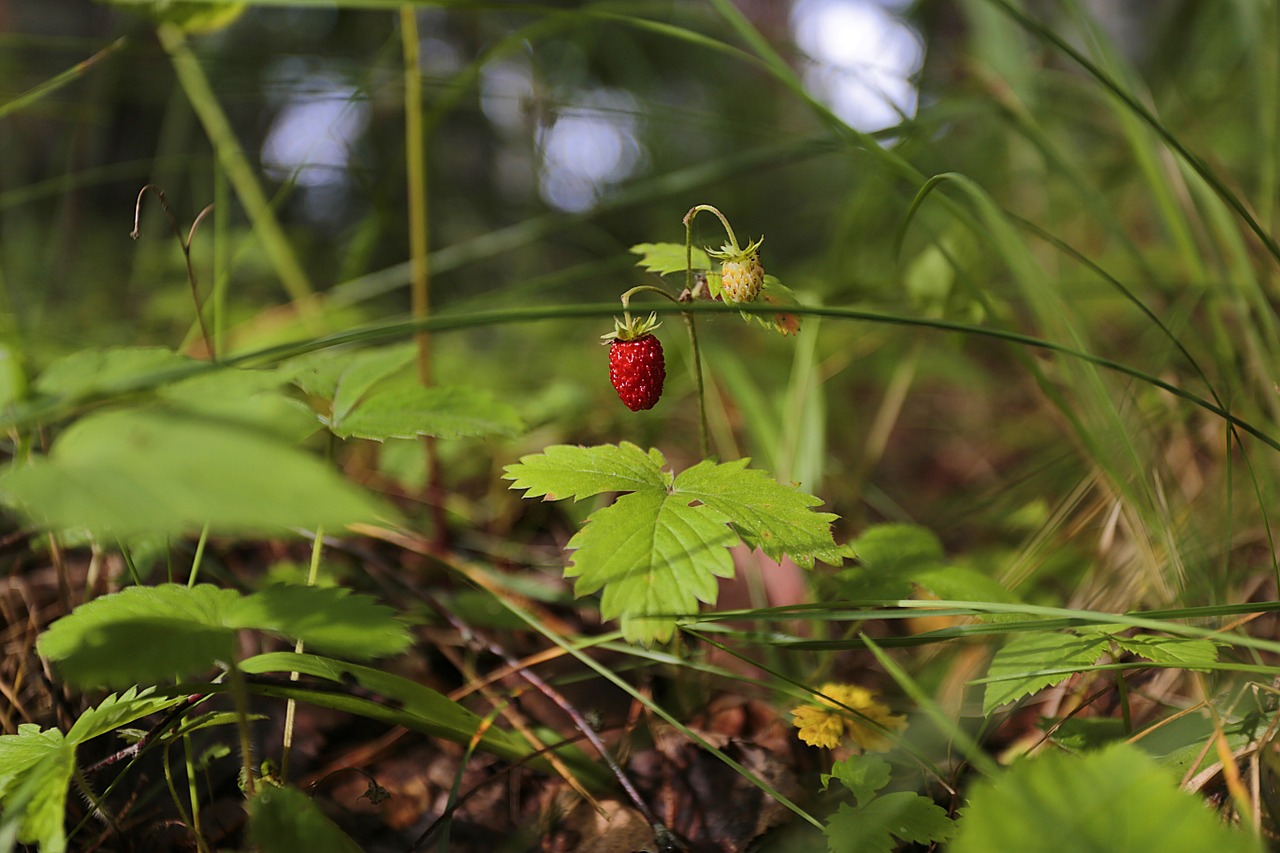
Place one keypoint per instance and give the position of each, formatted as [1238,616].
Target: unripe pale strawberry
[741,273]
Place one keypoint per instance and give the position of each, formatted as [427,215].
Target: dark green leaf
[862,775]
[328,619]
[285,820]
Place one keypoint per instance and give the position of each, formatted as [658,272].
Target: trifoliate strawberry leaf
[442,411]
[1117,800]
[1032,661]
[1174,651]
[775,518]
[664,258]
[35,771]
[655,557]
[563,471]
[657,552]
[147,635]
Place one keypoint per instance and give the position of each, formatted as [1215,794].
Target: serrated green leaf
[364,370]
[328,619]
[664,258]
[564,471]
[116,711]
[657,552]
[442,411]
[1021,664]
[1118,800]
[35,771]
[862,775]
[90,373]
[151,634]
[140,471]
[654,556]
[285,820]
[874,827]
[1175,651]
[775,518]
[142,635]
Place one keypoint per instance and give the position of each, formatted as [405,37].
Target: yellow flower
[828,722]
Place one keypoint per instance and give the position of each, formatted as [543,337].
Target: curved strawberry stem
[694,211]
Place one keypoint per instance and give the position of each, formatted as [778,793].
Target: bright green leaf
[775,518]
[656,553]
[1032,661]
[285,820]
[35,771]
[655,557]
[563,471]
[13,377]
[116,711]
[1114,801]
[1174,651]
[664,258]
[146,471]
[442,411]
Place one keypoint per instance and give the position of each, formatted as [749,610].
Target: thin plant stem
[231,155]
[688,223]
[193,793]
[196,560]
[290,708]
[240,693]
[419,266]
[185,243]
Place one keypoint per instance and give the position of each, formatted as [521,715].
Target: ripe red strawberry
[637,371]
[636,366]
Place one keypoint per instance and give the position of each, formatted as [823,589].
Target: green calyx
[730,251]
[631,328]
